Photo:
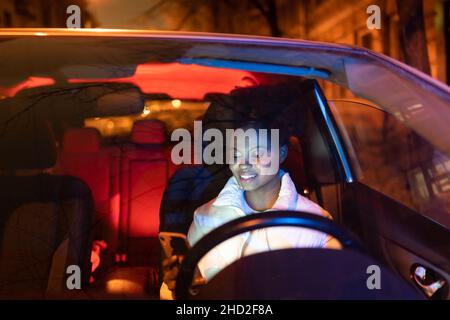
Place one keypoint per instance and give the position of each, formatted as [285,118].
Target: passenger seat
[144,175]
[46,220]
[83,156]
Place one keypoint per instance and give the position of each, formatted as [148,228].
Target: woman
[254,187]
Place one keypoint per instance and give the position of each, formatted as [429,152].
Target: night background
[413,31]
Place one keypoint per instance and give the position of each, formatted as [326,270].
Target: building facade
[348,25]
[320,20]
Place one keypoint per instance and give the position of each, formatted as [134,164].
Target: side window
[392,159]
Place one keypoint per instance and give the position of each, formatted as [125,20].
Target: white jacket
[230,204]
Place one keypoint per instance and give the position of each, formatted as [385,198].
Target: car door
[401,194]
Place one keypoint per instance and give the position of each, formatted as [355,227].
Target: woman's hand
[171,267]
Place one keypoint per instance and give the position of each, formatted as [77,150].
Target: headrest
[150,131]
[81,140]
[294,142]
[27,144]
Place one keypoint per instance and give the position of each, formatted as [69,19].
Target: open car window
[394,159]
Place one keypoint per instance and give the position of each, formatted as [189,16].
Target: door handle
[432,284]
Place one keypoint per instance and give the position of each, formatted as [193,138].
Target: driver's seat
[188,189]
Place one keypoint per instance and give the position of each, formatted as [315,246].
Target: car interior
[86,179]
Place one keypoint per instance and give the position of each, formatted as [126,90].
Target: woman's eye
[259,154]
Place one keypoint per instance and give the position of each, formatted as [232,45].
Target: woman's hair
[259,107]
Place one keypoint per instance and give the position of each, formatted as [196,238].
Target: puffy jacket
[230,204]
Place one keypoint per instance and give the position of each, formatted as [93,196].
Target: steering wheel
[253,222]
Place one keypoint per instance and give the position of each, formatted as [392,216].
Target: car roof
[99,32]
[220,38]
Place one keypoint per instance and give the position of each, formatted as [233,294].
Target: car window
[394,160]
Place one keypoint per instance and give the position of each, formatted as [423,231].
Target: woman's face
[254,162]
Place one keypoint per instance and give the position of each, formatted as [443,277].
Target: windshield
[422,103]
[115,146]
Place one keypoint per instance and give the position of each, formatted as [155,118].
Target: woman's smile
[246,177]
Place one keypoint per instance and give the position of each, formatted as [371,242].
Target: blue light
[257,67]
[334,136]
[286,220]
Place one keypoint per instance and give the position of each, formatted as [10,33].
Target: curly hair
[260,107]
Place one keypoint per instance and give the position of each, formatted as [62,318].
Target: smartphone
[173,243]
